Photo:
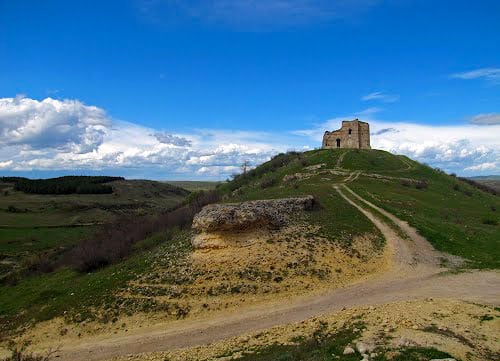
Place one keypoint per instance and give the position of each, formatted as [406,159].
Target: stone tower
[353,134]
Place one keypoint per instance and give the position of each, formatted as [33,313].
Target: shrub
[456,187]
[268,182]
[38,263]
[480,186]
[490,221]
[20,354]
[115,241]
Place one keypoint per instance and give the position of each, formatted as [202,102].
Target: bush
[490,221]
[19,354]
[480,186]
[268,183]
[115,241]
[37,264]
[456,187]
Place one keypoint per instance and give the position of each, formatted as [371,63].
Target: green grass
[16,242]
[460,221]
[325,347]
[373,160]
[453,215]
[65,291]
[34,223]
[193,186]
[319,347]
[339,221]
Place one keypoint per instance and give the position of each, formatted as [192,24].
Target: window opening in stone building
[338,143]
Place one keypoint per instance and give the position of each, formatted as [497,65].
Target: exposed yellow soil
[465,330]
[250,268]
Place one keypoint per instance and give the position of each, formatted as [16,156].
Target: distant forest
[63,185]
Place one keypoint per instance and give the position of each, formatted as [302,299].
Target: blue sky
[188,89]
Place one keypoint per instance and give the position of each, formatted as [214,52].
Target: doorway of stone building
[338,143]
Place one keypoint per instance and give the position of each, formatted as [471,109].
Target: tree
[244,167]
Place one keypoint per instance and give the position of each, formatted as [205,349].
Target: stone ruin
[353,134]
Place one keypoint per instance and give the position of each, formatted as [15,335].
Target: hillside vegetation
[37,232]
[327,247]
[63,185]
[454,215]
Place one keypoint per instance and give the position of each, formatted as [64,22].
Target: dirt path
[415,274]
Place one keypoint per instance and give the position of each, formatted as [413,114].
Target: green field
[34,224]
[193,186]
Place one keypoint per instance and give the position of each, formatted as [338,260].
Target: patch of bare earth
[245,269]
[465,330]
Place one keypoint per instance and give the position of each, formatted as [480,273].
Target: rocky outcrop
[249,215]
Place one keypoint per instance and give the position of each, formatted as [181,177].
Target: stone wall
[353,134]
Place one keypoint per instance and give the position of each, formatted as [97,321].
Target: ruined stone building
[353,134]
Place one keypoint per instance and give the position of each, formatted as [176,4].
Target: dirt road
[415,274]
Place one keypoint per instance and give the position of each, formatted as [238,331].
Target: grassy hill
[194,186]
[455,216]
[171,278]
[31,224]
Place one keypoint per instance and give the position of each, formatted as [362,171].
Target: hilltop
[354,232]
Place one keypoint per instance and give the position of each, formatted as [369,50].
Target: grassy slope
[451,219]
[45,221]
[23,235]
[338,219]
[194,185]
[65,291]
[451,214]
[454,216]
[45,296]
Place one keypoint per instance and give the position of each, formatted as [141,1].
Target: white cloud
[380,96]
[6,164]
[67,124]
[68,135]
[454,148]
[488,166]
[486,119]
[167,138]
[61,135]
[491,74]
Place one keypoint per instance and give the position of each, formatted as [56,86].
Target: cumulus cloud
[167,138]
[50,123]
[71,136]
[380,96]
[491,74]
[488,166]
[486,119]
